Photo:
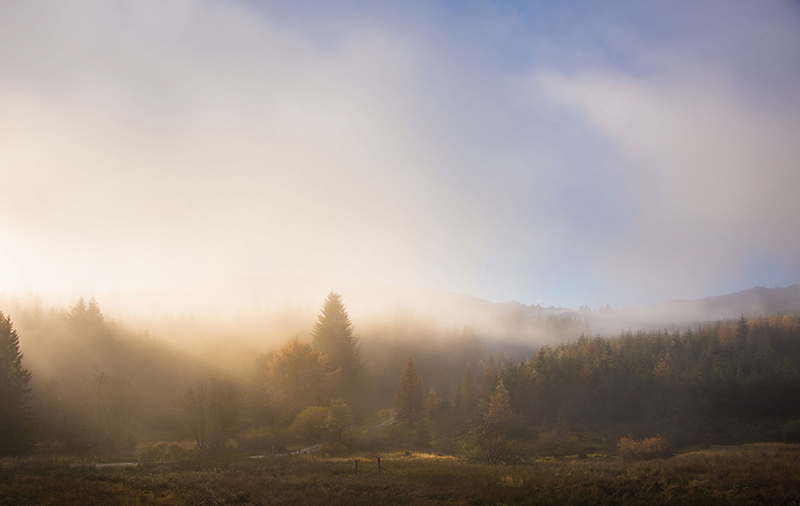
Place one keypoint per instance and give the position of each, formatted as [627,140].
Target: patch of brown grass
[751,474]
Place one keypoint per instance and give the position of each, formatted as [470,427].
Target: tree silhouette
[86,318]
[333,336]
[409,397]
[16,421]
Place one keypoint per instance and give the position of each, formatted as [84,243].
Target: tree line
[670,380]
[110,388]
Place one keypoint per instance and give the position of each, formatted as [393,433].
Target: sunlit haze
[564,153]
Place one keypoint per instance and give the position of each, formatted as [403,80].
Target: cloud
[545,154]
[156,143]
[706,164]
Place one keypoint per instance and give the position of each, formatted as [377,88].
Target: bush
[791,431]
[263,440]
[165,451]
[646,448]
[309,425]
[556,444]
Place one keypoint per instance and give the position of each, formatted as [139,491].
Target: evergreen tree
[432,402]
[467,393]
[333,336]
[86,318]
[489,442]
[409,397]
[16,421]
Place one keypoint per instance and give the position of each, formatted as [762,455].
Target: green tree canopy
[310,424]
[16,421]
[340,418]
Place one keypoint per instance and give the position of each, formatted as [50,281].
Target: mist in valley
[498,235]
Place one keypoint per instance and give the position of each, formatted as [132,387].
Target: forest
[94,389]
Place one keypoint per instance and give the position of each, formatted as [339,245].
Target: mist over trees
[212,410]
[297,376]
[333,336]
[409,398]
[94,386]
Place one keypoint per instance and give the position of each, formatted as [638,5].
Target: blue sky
[560,153]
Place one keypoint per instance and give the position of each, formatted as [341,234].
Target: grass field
[750,474]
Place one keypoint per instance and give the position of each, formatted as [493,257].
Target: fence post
[379,465]
[356,466]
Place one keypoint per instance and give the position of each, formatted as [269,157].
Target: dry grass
[752,474]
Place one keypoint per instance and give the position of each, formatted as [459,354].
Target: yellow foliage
[727,335]
[641,449]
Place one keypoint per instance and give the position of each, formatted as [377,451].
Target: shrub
[646,448]
[791,431]
[309,425]
[556,444]
[165,451]
[263,440]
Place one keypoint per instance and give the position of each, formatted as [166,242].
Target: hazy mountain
[535,324]
[758,301]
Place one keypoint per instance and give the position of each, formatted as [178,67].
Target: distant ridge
[757,301]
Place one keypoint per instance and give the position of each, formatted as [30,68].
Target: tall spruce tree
[16,420]
[333,336]
[409,397]
[488,440]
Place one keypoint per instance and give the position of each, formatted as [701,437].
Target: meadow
[764,473]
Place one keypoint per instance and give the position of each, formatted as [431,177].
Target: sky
[564,153]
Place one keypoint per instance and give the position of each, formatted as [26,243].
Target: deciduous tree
[297,377]
[211,411]
[340,418]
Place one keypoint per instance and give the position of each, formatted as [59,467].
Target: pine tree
[333,336]
[489,442]
[409,397]
[499,413]
[16,421]
[86,318]
[432,402]
[467,395]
